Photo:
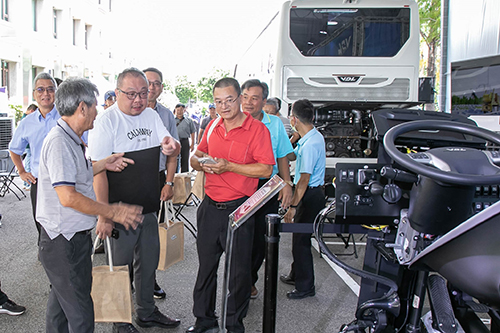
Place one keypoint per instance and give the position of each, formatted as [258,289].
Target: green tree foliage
[184,89]
[18,112]
[205,85]
[430,30]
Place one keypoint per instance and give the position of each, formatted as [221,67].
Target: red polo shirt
[249,143]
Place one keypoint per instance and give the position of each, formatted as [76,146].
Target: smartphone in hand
[206,160]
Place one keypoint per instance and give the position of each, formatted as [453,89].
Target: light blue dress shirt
[311,158]
[32,130]
[279,139]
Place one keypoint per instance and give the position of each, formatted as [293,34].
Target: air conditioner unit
[6,131]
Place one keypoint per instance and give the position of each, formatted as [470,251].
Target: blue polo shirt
[279,139]
[311,158]
[32,130]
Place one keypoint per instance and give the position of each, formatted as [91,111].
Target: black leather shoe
[203,329]
[158,292]
[287,279]
[158,319]
[295,294]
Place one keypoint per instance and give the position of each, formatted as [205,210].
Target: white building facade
[62,37]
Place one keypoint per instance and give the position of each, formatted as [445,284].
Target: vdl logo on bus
[348,79]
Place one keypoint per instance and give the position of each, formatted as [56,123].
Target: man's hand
[285,196]
[221,166]
[27,177]
[167,192]
[104,228]
[170,146]
[128,215]
[192,147]
[288,218]
[117,162]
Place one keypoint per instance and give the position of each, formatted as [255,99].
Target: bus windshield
[361,32]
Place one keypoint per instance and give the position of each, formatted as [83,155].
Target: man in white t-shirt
[130,126]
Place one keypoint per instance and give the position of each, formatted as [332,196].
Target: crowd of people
[108,173]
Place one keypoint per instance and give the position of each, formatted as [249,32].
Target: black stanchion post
[271,272]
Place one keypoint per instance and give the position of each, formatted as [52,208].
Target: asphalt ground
[25,282]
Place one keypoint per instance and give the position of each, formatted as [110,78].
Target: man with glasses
[242,150]
[155,80]
[32,130]
[130,126]
[253,98]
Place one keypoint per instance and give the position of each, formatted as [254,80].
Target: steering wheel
[449,177]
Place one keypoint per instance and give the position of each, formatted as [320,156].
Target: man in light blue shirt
[155,80]
[253,98]
[32,130]
[308,199]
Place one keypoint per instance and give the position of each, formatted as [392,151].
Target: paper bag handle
[110,257]
[168,207]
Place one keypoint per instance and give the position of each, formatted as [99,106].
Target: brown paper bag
[171,238]
[199,185]
[182,187]
[111,292]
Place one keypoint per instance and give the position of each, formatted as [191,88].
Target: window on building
[54,14]
[5,75]
[5,10]
[34,7]
[88,29]
[75,31]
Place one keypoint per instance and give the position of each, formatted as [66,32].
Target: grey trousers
[140,250]
[69,269]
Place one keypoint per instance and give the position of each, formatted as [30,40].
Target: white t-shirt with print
[116,132]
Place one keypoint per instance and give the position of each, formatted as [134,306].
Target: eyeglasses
[156,84]
[133,95]
[49,90]
[227,102]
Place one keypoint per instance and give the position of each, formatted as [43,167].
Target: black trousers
[211,242]
[69,269]
[302,267]
[33,195]
[259,237]
[184,155]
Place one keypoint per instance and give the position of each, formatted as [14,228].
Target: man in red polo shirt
[242,150]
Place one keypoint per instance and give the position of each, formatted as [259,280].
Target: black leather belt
[226,204]
[83,232]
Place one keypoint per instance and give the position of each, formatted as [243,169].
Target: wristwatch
[289,182]
[169,183]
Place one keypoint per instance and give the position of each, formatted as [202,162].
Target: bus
[348,57]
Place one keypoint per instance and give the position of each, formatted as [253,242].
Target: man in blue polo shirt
[308,198]
[253,98]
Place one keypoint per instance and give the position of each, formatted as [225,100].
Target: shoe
[157,319]
[295,294]
[11,308]
[125,328]
[158,292]
[203,329]
[254,293]
[100,247]
[287,279]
